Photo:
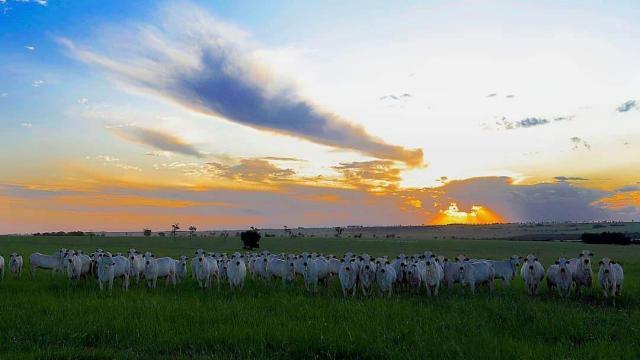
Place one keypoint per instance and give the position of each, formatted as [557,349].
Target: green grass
[50,318]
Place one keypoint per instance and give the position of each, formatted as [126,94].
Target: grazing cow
[559,277]
[506,269]
[237,271]
[283,269]
[348,276]
[15,264]
[164,267]
[611,278]
[1,268]
[432,275]
[477,273]
[366,275]
[137,265]
[581,271]
[47,262]
[385,277]
[181,268]
[532,272]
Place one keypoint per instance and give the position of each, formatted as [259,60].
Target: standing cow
[581,271]
[15,264]
[477,273]
[1,268]
[559,277]
[47,262]
[236,271]
[532,272]
[506,269]
[164,267]
[611,278]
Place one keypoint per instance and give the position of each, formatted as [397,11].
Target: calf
[15,264]
[532,272]
[611,278]
[559,277]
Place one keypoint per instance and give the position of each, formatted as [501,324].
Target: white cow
[73,265]
[164,267]
[47,262]
[85,264]
[110,267]
[559,277]
[611,278]
[366,275]
[315,270]
[506,269]
[260,267]
[214,269]
[414,276]
[477,273]
[432,276]
[385,277]
[581,270]
[181,268]
[137,265]
[348,276]
[451,270]
[532,272]
[334,265]
[282,269]
[1,268]
[194,259]
[15,264]
[202,270]
[236,271]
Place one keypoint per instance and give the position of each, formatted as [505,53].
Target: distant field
[50,318]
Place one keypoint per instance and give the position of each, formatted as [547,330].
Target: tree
[192,230]
[146,232]
[161,234]
[250,239]
[174,228]
[339,230]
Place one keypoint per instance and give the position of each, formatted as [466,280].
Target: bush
[250,239]
[617,238]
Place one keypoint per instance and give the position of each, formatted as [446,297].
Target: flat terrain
[50,318]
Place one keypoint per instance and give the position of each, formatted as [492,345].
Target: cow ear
[535,259]
[432,256]
[519,257]
[590,254]
[446,259]
[601,262]
[613,262]
[557,262]
[466,259]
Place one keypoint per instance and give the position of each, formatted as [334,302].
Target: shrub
[250,239]
[617,238]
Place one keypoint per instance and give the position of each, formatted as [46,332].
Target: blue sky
[399,100]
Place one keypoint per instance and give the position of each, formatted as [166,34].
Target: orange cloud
[620,200]
[476,215]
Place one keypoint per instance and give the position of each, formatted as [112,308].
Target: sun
[477,215]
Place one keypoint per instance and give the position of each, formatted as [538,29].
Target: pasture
[50,318]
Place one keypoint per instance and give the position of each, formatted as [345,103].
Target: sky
[118,116]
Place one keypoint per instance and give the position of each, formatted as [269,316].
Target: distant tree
[339,230]
[192,230]
[250,239]
[174,229]
[146,232]
[617,238]
[162,234]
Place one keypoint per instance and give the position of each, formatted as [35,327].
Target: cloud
[276,158]
[578,143]
[376,175]
[531,122]
[251,170]
[83,101]
[4,94]
[525,123]
[396,97]
[510,96]
[569,178]
[627,105]
[30,47]
[210,67]
[154,138]
[165,154]
[25,124]
[37,83]
[492,95]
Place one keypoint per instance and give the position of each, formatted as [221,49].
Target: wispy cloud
[578,143]
[209,67]
[25,124]
[37,83]
[529,122]
[627,105]
[157,139]
[492,95]
[251,170]
[396,97]
[30,47]
[569,178]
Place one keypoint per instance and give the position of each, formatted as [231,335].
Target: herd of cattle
[412,272]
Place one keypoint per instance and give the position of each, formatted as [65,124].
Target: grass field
[50,318]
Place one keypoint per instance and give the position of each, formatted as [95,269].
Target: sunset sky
[227,114]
